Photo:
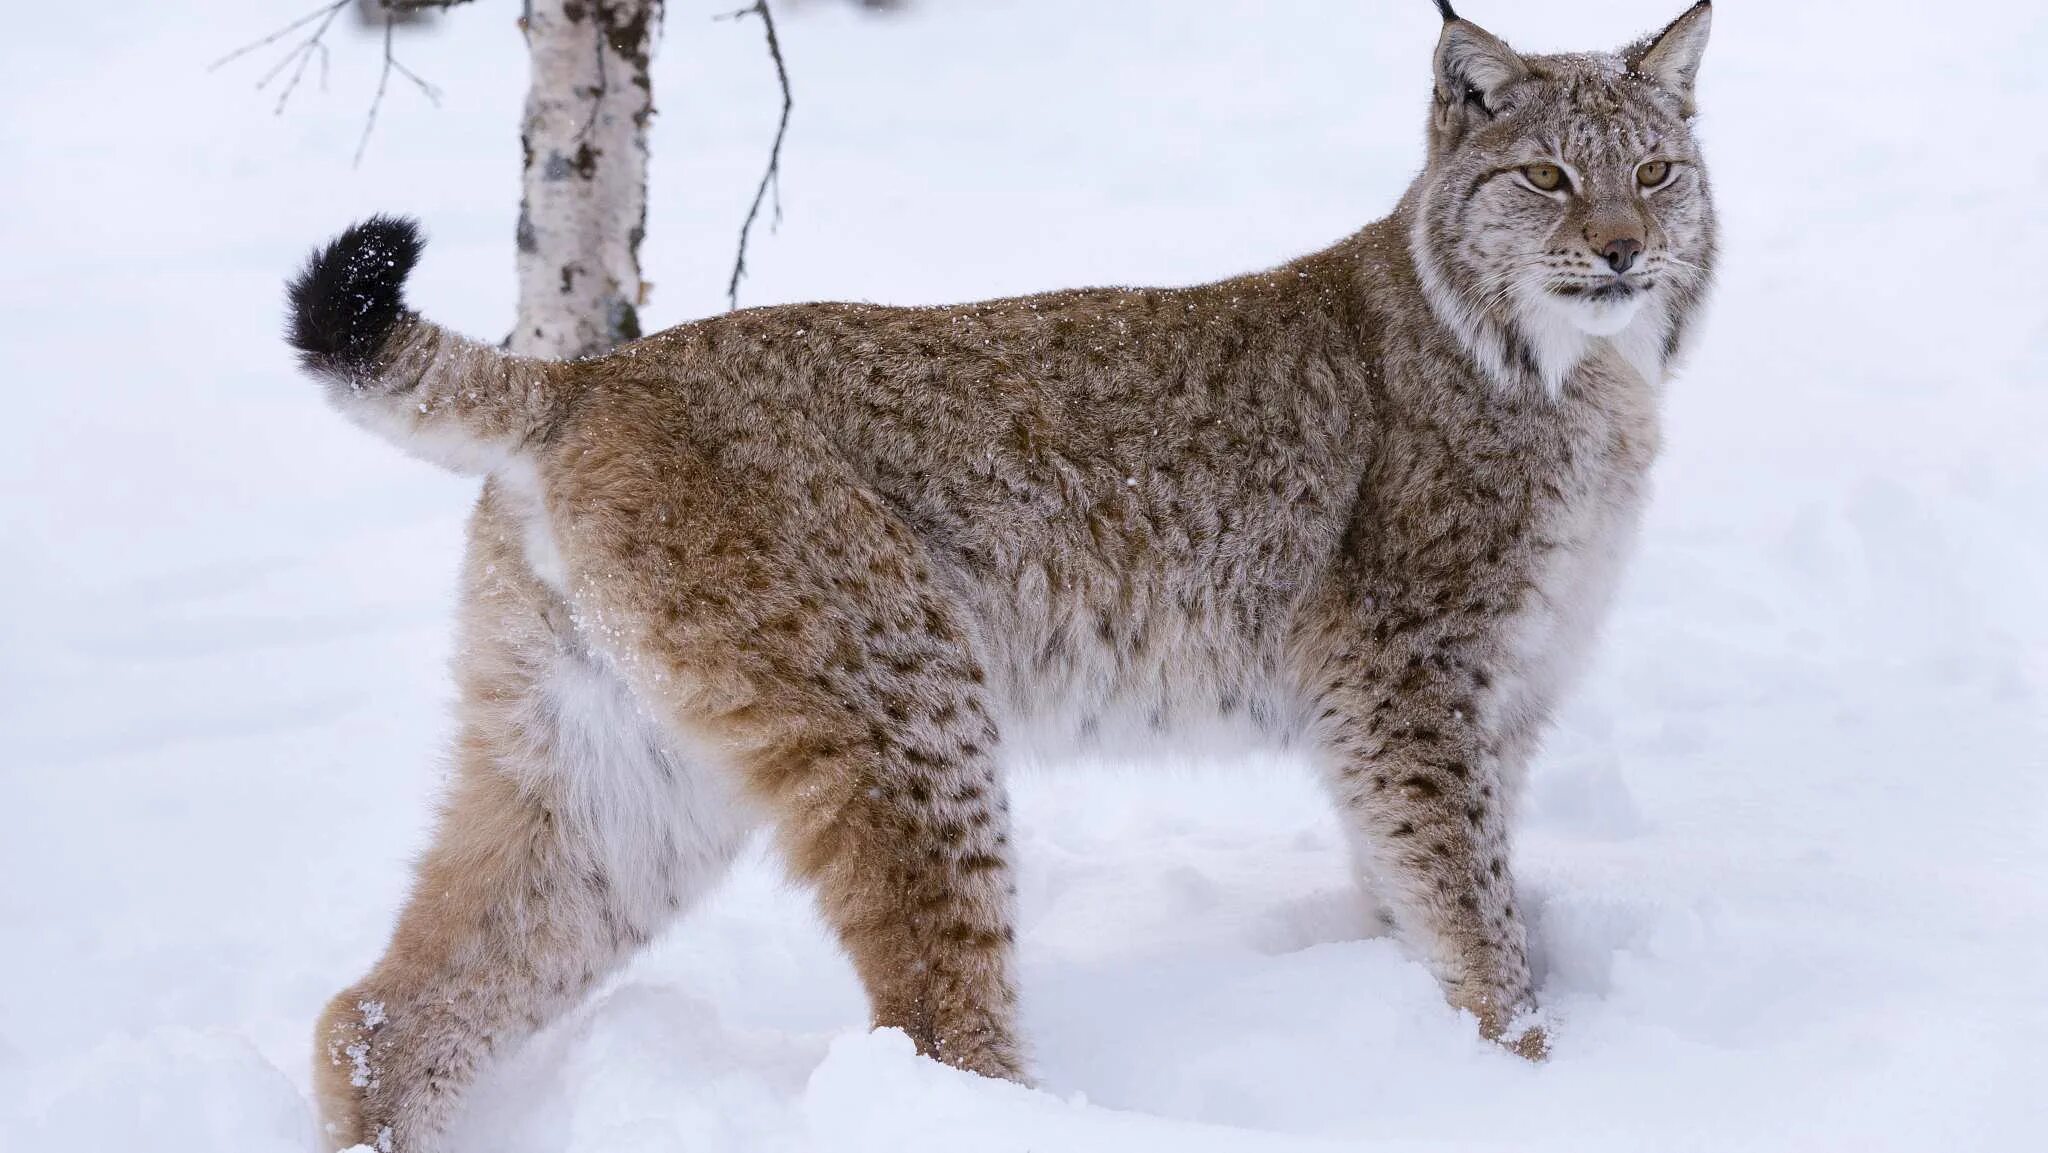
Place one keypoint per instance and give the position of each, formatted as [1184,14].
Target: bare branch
[293,64]
[427,88]
[377,101]
[325,10]
[391,65]
[771,177]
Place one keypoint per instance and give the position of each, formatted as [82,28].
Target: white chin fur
[1603,317]
[1561,331]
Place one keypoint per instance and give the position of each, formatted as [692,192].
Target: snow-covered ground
[1787,853]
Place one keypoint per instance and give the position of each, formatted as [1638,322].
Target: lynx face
[1565,200]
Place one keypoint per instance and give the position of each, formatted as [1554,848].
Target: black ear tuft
[1474,67]
[351,294]
[1671,58]
[1444,6]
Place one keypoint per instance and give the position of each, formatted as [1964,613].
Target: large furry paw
[1514,1025]
[344,1073]
[1528,1041]
[987,1050]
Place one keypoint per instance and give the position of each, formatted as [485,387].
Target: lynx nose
[1621,253]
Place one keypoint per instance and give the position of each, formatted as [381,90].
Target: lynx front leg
[1421,793]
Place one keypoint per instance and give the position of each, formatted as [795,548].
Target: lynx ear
[1473,66]
[1671,58]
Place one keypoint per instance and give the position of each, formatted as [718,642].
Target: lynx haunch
[825,568]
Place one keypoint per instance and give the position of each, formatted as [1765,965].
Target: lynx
[827,568]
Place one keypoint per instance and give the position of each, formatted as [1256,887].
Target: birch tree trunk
[583,206]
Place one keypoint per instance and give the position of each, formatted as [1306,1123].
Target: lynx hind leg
[856,710]
[891,805]
[517,912]
[913,874]
[522,905]
[569,838]
[1419,790]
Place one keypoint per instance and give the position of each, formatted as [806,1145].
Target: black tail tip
[351,294]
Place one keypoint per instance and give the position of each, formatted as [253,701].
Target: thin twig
[771,177]
[328,10]
[296,59]
[377,101]
[391,65]
[427,88]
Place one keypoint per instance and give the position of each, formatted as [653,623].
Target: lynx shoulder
[827,568]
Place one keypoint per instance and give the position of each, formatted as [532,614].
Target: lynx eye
[1546,177]
[1654,173]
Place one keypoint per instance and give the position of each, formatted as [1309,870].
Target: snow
[1786,854]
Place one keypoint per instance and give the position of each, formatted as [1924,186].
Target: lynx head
[1565,201]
